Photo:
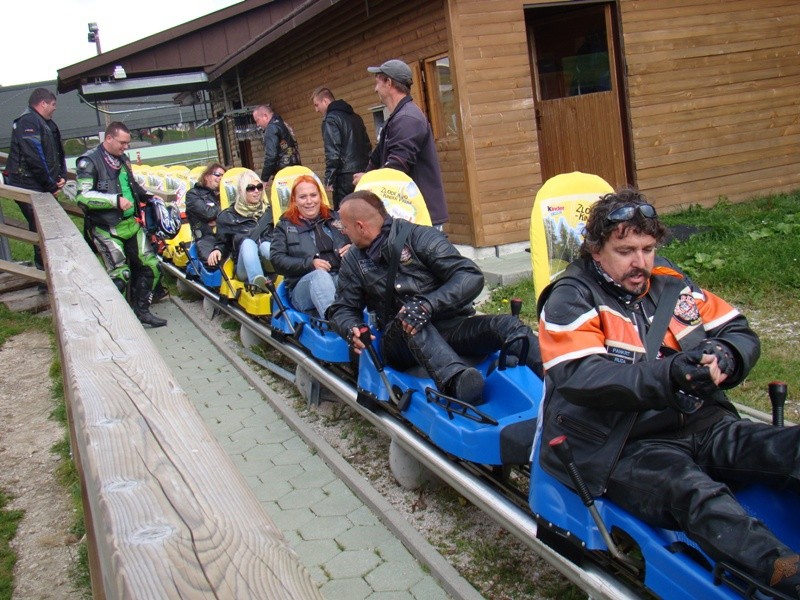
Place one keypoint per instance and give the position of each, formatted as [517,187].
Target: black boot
[141,306]
[467,386]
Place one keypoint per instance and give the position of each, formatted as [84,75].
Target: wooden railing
[168,515]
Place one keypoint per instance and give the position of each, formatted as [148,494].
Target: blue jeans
[315,290]
[249,265]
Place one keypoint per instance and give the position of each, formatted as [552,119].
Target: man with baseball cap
[406,141]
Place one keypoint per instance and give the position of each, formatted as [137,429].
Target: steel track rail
[596,582]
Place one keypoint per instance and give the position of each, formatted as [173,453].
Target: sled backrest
[399,193]
[558,219]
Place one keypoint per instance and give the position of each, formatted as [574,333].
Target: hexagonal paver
[324,528]
[352,563]
[317,476]
[316,552]
[340,504]
[363,537]
[270,491]
[353,588]
[292,519]
[363,516]
[395,576]
[301,498]
[428,589]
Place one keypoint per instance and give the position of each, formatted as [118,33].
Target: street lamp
[94,36]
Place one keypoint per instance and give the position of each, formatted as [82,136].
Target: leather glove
[351,336]
[415,314]
[691,378]
[726,359]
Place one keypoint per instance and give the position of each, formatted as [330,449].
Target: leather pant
[681,483]
[438,347]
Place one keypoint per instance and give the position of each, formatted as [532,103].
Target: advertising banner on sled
[557,222]
[399,193]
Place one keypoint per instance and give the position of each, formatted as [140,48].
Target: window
[441,96]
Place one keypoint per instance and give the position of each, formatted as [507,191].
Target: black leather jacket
[202,208]
[36,159]
[233,229]
[346,141]
[294,248]
[600,386]
[280,148]
[430,268]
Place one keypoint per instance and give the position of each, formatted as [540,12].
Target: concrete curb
[449,578]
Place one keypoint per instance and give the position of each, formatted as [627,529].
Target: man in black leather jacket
[280,145]
[429,318]
[36,159]
[346,143]
[637,358]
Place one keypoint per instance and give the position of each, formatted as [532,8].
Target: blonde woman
[244,231]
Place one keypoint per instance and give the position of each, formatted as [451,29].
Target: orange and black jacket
[600,388]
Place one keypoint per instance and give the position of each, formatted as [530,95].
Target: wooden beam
[19,234]
[30,272]
[168,513]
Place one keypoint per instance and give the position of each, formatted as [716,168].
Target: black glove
[690,377]
[350,337]
[726,359]
[415,314]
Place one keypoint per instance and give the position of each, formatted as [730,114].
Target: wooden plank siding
[335,52]
[712,91]
[709,96]
[489,57]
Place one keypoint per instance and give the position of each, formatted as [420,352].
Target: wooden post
[168,514]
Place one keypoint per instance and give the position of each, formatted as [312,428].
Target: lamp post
[94,36]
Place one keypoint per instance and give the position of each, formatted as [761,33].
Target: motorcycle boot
[141,306]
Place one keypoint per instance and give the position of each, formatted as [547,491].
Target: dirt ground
[46,548]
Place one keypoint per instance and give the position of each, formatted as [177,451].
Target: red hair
[293,213]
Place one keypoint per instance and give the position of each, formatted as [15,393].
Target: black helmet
[166,219]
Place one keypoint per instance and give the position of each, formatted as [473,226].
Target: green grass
[748,254]
[9,521]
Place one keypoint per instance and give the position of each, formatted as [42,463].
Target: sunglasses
[626,213]
[218,174]
[253,188]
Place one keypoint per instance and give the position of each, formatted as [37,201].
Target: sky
[40,38]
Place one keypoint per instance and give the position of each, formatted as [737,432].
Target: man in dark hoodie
[347,145]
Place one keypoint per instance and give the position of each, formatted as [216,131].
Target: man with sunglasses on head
[637,358]
[109,196]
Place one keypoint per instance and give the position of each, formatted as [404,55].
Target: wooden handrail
[168,514]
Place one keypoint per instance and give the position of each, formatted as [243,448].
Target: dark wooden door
[577,101]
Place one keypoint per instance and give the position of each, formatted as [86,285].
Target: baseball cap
[394,69]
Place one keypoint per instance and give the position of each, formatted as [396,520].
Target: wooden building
[690,100]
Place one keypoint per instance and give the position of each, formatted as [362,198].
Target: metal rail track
[505,512]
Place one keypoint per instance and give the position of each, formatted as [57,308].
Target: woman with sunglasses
[244,230]
[202,208]
[307,247]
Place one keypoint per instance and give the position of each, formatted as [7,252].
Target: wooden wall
[335,50]
[713,93]
[489,51]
